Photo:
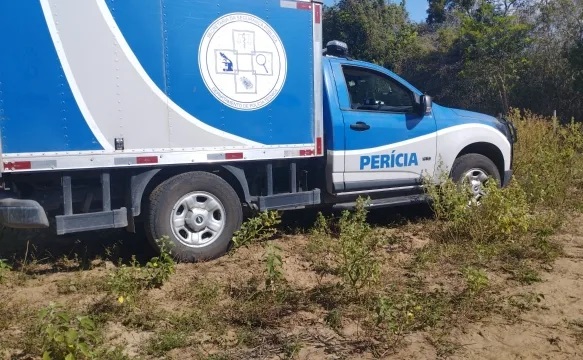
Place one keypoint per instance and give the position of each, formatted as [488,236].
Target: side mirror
[426,105]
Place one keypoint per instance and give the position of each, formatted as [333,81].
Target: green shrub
[126,282]
[503,215]
[66,336]
[4,269]
[256,229]
[476,280]
[351,253]
[356,257]
[402,311]
[548,159]
[274,276]
[159,269]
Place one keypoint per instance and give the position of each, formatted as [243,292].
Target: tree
[494,50]
[576,62]
[374,30]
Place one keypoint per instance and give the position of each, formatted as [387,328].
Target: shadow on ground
[22,247]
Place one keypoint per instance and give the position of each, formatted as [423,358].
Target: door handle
[360,126]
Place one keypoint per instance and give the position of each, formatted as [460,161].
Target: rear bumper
[22,214]
[507,177]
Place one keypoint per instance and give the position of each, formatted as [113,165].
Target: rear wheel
[198,211]
[474,171]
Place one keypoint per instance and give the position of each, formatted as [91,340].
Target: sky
[417,9]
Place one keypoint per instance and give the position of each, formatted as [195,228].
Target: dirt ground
[551,327]
[552,330]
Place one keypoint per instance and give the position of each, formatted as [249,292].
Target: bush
[353,256]
[126,282]
[357,262]
[503,215]
[257,229]
[65,336]
[4,269]
[274,276]
[548,163]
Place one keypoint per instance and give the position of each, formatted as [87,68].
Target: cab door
[388,143]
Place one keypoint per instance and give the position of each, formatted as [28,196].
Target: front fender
[452,140]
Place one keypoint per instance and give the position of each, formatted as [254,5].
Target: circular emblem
[242,61]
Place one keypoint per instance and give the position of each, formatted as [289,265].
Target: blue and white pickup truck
[182,115]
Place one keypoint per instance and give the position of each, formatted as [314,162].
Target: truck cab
[383,135]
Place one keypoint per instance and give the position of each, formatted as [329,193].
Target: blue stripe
[37,110]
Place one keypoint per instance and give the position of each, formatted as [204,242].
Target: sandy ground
[551,328]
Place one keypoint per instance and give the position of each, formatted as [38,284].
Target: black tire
[467,162]
[160,210]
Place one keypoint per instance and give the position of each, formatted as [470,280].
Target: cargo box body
[103,83]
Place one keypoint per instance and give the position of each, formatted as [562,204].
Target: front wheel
[474,171]
[198,211]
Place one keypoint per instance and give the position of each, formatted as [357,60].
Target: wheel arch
[146,181]
[488,150]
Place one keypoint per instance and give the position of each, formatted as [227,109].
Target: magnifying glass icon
[262,61]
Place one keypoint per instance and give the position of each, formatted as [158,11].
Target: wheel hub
[198,219]
[476,179]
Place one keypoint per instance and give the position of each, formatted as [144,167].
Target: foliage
[126,282]
[494,47]
[402,311]
[66,336]
[476,280]
[351,253]
[357,245]
[548,160]
[503,215]
[374,30]
[159,269]
[257,229]
[273,267]
[576,61]
[483,55]
[4,268]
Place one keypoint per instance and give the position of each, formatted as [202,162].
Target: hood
[450,115]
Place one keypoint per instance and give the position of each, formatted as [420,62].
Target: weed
[319,249]
[400,312]
[356,258]
[546,164]
[256,308]
[4,269]
[526,275]
[257,229]
[274,276]
[502,216]
[526,301]
[476,280]
[126,282]
[291,348]
[165,341]
[160,268]
[66,336]
[334,319]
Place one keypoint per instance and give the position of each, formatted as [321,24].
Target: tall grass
[548,160]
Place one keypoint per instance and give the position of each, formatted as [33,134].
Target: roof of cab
[364,64]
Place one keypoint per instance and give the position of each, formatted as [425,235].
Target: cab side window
[374,91]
